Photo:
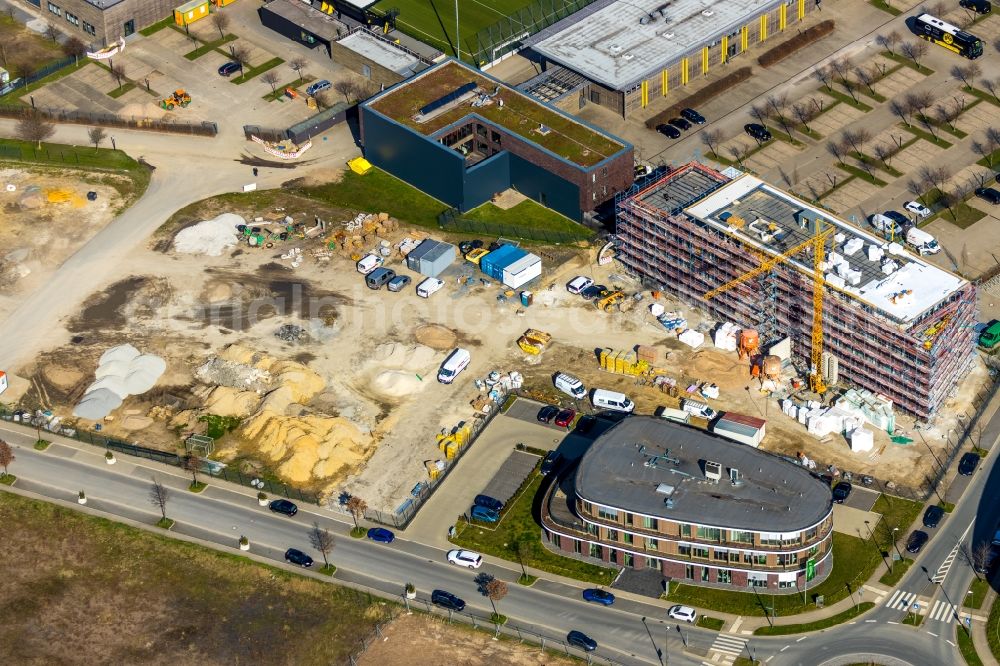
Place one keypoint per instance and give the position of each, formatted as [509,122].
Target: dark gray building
[104,21]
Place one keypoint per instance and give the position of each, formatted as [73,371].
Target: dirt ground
[423,639]
[25,49]
[46,217]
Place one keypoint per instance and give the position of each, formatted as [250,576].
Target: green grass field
[433,21]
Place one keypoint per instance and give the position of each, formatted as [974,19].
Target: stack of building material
[862,439]
[692,338]
[656,309]
[874,408]
[647,354]
[725,336]
[823,421]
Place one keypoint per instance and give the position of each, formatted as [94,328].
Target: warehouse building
[651,493]
[376,58]
[462,137]
[623,54]
[892,322]
[103,22]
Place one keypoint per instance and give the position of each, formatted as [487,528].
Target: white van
[570,385]
[612,400]
[453,365]
[578,284]
[368,263]
[922,242]
[699,409]
[672,414]
[428,287]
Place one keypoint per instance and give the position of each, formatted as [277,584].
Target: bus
[954,39]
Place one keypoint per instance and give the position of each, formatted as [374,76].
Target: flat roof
[775,221]
[520,115]
[629,40]
[360,4]
[382,52]
[626,465]
[308,18]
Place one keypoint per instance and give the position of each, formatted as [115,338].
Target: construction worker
[255,172]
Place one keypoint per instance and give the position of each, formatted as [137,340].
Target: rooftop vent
[614,48]
[707,12]
[665,489]
[668,502]
[735,477]
[628,56]
[713,471]
[667,35]
[543,130]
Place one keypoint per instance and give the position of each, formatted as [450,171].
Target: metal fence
[69,157]
[506,35]
[206,128]
[453,220]
[51,68]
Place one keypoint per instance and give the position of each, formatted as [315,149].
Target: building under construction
[892,322]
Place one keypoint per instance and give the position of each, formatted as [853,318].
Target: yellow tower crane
[818,243]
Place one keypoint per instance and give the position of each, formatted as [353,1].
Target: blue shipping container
[493,263]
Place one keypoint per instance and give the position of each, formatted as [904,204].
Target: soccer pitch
[433,21]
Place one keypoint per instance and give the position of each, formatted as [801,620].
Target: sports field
[433,21]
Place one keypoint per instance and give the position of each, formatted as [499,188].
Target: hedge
[702,96]
[803,39]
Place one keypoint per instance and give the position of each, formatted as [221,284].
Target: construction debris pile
[291,333]
[362,232]
[122,371]
[209,237]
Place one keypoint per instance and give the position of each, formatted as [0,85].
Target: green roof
[520,114]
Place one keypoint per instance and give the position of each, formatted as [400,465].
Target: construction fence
[70,157]
[24,81]
[507,35]
[452,220]
[205,128]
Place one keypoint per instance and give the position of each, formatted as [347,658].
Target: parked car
[550,461]
[597,596]
[669,131]
[283,506]
[297,557]
[841,492]
[319,86]
[488,502]
[581,640]
[467,246]
[398,283]
[229,68]
[989,194]
[916,541]
[680,123]
[482,514]
[381,535]
[465,558]
[933,515]
[898,218]
[565,417]
[693,116]
[917,209]
[447,600]
[978,6]
[547,413]
[758,132]
[683,613]
[578,284]
[585,424]
[593,291]
[968,464]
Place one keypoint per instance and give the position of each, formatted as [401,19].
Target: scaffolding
[915,362]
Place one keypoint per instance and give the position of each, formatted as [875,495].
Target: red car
[565,417]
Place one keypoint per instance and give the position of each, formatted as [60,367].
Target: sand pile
[401,368]
[396,384]
[435,336]
[403,357]
[309,447]
[121,371]
[226,401]
[210,237]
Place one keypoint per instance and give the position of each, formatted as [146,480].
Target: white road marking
[932,634]
[784,648]
[799,640]
[945,567]
[736,625]
[891,622]
[950,643]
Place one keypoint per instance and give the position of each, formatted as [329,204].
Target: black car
[585,424]
[447,600]
[547,413]
[693,116]
[968,464]
[916,541]
[990,194]
[669,131]
[551,460]
[898,218]
[295,556]
[229,68]
[758,132]
[465,247]
[933,515]
[978,6]
[489,502]
[581,640]
[283,506]
[593,291]
[680,123]
[841,492]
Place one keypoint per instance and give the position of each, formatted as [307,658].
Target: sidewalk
[979,638]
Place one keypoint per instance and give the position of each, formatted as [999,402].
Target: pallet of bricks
[362,232]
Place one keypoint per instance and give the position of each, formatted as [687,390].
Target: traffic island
[42,444]
[825,623]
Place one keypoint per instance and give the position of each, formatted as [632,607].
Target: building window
[755,558]
[709,533]
[736,536]
[593,529]
[650,523]
[604,172]
[786,584]
[55,9]
[612,535]
[760,581]
[607,514]
[721,555]
[652,544]
[366,71]
[628,560]
[495,136]
[89,29]
[577,546]
[686,531]
[689,572]
[785,559]
[629,518]
[71,18]
[588,508]
[724,576]
[628,538]
[698,551]
[595,550]
[684,550]
[704,574]
[555,540]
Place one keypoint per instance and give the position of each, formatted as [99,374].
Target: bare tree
[34,127]
[322,540]
[947,113]
[192,463]
[96,135]
[118,71]
[967,74]
[804,113]
[525,549]
[824,75]
[980,557]
[902,109]
[711,138]
[850,86]
[914,51]
[357,506]
[915,187]
[345,87]
[738,151]
[52,32]
[866,77]
[889,42]
[159,495]
[991,87]
[857,139]
[836,149]
[322,98]
[221,22]
[841,68]
[949,199]
[241,56]
[919,102]
[496,590]
[778,104]
[759,112]
[928,124]
[988,145]
[6,456]
[270,77]
[74,47]
[832,177]
[298,66]
[883,153]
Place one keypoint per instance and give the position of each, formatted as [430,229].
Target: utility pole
[458,51]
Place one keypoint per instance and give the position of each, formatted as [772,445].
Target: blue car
[488,502]
[381,535]
[485,515]
[598,596]
[317,87]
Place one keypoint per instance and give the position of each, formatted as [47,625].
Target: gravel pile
[234,375]
[121,371]
[210,237]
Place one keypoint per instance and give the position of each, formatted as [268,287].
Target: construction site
[838,305]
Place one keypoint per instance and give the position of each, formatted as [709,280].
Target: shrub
[702,96]
[788,47]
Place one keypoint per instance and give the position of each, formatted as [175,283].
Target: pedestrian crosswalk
[901,600]
[726,648]
[942,611]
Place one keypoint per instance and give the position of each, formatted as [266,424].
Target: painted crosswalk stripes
[943,612]
[901,600]
[728,648]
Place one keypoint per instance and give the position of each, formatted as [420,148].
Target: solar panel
[450,97]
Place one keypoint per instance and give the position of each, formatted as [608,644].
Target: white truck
[922,242]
